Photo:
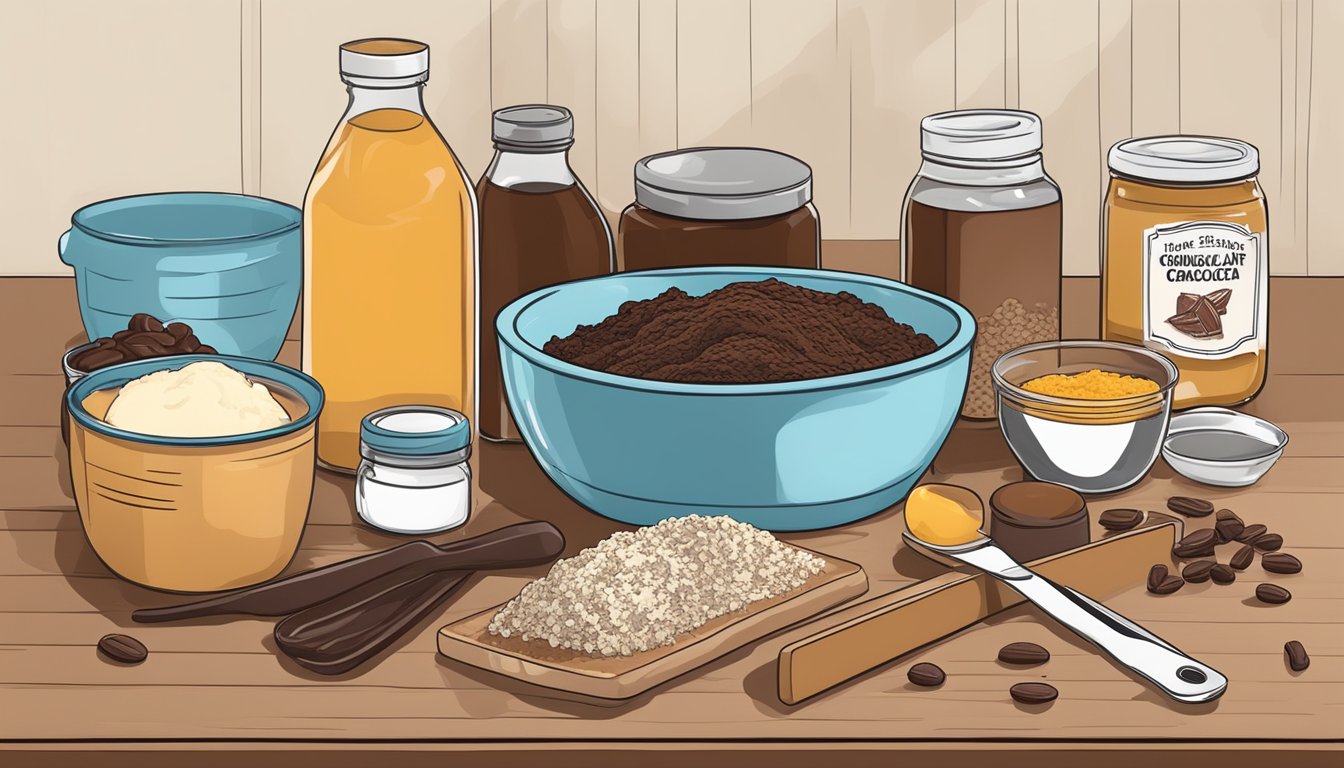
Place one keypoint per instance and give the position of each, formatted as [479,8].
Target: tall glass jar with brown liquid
[539,226]
[1186,262]
[389,250]
[983,227]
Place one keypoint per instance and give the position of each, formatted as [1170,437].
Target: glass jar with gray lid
[720,205]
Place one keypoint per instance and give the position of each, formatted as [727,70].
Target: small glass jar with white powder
[413,475]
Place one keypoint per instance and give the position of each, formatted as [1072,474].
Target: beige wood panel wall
[122,96]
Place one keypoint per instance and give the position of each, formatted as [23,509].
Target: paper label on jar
[1204,288]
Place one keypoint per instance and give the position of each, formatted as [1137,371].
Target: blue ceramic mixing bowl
[786,456]
[230,266]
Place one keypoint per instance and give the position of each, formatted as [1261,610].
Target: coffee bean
[1243,558]
[94,359]
[1023,653]
[1197,571]
[1033,693]
[1298,659]
[1270,542]
[143,322]
[1169,585]
[1251,533]
[1120,519]
[206,349]
[925,674]
[123,648]
[1221,574]
[1280,562]
[1156,575]
[1190,506]
[188,343]
[1272,594]
[1229,526]
[178,331]
[1197,544]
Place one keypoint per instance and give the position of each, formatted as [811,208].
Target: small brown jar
[720,206]
[1030,520]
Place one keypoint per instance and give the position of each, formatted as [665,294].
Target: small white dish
[1219,446]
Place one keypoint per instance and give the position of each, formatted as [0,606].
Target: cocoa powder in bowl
[744,333]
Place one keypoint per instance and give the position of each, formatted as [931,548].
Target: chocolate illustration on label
[1196,268]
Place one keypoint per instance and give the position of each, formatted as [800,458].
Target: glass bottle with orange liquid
[389,252]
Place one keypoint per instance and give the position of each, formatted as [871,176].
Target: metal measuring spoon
[951,516]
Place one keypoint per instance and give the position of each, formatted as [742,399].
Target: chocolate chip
[178,331]
[1243,558]
[1298,659]
[1222,574]
[1272,594]
[1190,506]
[1023,653]
[94,359]
[1197,544]
[1156,575]
[1270,542]
[141,322]
[1280,562]
[925,674]
[1251,533]
[1197,571]
[1120,519]
[1033,693]
[123,648]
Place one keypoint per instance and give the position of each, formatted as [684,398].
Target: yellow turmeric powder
[1091,385]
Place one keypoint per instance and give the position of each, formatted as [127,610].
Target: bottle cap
[1185,159]
[981,135]
[416,431]
[723,183]
[534,127]
[391,59]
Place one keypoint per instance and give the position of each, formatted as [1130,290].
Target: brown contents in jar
[995,264]
[744,333]
[652,240]
[532,235]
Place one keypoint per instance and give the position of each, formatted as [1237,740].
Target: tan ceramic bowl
[193,514]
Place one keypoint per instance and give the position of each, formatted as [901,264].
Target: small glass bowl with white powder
[413,474]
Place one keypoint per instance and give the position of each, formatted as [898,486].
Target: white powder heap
[637,591]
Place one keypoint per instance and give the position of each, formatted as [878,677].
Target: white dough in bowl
[203,399]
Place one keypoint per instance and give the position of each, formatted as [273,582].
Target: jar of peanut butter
[1186,262]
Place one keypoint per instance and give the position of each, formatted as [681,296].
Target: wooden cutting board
[622,677]
[867,635]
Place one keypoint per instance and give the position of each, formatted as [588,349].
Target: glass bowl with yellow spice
[1088,415]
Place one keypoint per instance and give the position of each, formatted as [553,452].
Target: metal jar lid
[533,127]
[416,432]
[722,183]
[980,135]
[1185,159]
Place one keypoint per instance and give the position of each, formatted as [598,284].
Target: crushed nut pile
[636,591]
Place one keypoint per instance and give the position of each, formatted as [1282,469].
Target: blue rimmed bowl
[228,265]
[787,456]
[193,514]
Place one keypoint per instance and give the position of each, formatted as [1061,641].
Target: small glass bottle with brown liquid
[389,252]
[539,226]
[983,227]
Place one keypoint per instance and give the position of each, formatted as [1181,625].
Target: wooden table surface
[218,689]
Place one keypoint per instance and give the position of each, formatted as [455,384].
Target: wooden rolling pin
[886,627]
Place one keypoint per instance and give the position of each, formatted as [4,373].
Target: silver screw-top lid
[723,183]
[392,60]
[536,127]
[980,135]
[1185,159]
